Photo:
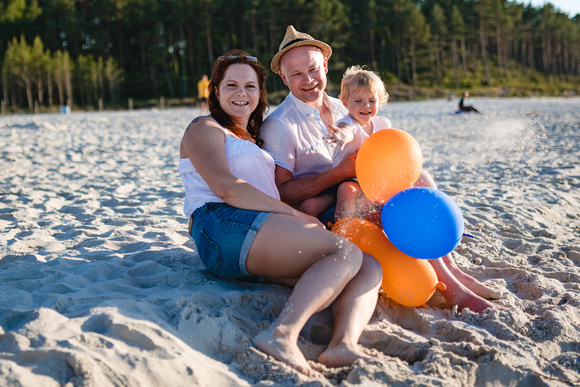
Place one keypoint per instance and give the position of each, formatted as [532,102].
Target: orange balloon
[388,162]
[408,281]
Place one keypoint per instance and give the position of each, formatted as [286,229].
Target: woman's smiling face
[239,92]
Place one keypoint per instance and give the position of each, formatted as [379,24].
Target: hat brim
[325,48]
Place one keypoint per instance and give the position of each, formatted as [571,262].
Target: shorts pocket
[210,254]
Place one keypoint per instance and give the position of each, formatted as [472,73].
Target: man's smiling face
[303,70]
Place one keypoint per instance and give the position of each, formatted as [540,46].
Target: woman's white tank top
[246,160]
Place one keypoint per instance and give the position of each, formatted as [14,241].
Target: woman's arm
[203,143]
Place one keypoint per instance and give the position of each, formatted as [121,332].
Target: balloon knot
[441,286]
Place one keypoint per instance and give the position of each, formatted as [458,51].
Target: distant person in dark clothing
[465,104]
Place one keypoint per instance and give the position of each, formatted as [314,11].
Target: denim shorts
[223,235]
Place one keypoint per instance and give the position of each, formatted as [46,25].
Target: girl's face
[239,92]
[362,105]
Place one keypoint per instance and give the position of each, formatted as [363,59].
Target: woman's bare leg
[287,248]
[352,311]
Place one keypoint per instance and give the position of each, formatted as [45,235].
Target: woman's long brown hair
[219,68]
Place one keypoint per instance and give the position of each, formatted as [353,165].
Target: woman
[242,229]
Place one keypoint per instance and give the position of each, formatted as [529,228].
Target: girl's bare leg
[457,293]
[318,204]
[463,289]
[425,180]
[352,203]
[346,201]
[471,283]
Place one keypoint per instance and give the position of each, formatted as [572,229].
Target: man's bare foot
[342,356]
[284,349]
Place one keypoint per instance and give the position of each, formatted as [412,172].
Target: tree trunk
[68,83]
[455,63]
[168,78]
[372,48]
[439,65]
[50,86]
[484,53]
[413,62]
[208,34]
[40,88]
[464,58]
[28,84]
[500,62]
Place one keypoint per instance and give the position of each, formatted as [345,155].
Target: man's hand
[347,166]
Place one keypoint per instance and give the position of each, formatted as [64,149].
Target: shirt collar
[302,106]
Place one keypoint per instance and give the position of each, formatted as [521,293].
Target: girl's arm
[203,143]
[341,135]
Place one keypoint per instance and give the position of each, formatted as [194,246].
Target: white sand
[101,285]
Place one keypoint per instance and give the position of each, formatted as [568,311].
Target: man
[203,94]
[294,132]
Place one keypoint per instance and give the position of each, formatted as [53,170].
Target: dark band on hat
[294,41]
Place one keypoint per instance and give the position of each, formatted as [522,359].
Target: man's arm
[294,191]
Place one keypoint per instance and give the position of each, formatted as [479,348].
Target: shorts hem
[249,239]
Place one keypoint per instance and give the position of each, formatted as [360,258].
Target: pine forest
[95,54]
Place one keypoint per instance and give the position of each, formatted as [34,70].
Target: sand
[100,284]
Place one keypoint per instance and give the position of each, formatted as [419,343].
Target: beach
[101,285]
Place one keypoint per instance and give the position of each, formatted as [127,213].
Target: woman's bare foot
[342,356]
[284,349]
[471,283]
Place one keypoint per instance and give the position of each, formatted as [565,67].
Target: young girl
[363,93]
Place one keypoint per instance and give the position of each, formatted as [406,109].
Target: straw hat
[293,39]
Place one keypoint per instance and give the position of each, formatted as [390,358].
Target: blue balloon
[423,222]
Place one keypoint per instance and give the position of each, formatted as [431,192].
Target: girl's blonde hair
[360,78]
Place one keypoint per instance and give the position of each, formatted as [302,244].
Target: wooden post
[100,104]
[3,107]
[162,103]
[130,103]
